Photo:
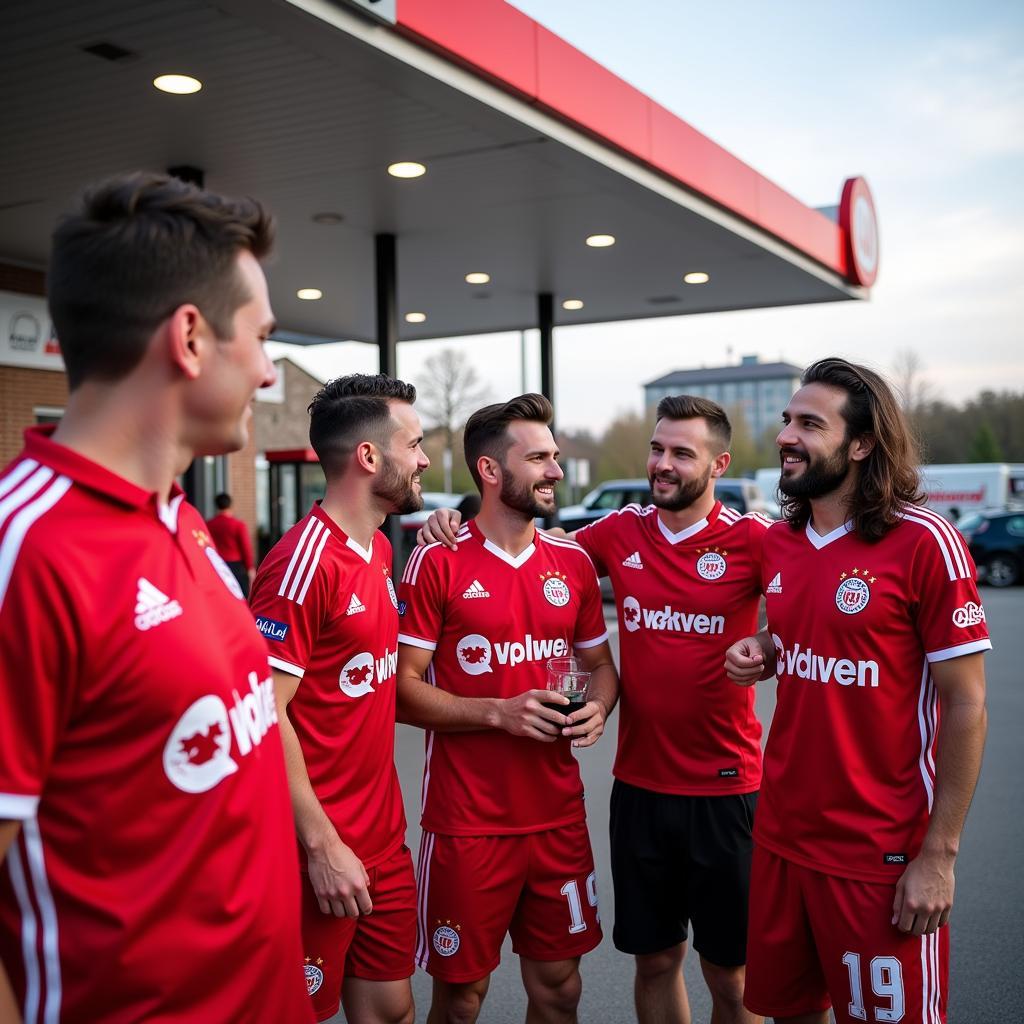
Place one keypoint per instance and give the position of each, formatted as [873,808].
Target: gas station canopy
[529,146]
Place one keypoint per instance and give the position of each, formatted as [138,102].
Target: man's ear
[861,447]
[720,464]
[183,335]
[489,469]
[368,456]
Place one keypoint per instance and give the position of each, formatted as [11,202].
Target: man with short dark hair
[876,633]
[505,845]
[143,801]
[326,603]
[231,536]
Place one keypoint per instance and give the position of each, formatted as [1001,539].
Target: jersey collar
[366,554]
[515,561]
[818,542]
[690,531]
[39,445]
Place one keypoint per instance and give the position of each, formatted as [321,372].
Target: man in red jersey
[686,574]
[151,865]
[874,627]
[231,536]
[505,846]
[326,603]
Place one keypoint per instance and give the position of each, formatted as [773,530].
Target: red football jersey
[682,599]
[492,622]
[231,536]
[154,876]
[328,610]
[849,769]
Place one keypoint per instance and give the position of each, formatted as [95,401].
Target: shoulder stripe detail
[313,566]
[22,522]
[313,524]
[564,542]
[956,566]
[730,515]
[412,568]
[758,517]
[635,508]
[956,538]
[16,475]
[26,490]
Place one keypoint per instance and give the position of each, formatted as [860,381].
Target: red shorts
[540,888]
[816,940]
[377,947]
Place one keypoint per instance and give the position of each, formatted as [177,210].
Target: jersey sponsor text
[805,664]
[670,619]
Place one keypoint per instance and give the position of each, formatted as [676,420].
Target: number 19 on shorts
[886,978]
[571,891]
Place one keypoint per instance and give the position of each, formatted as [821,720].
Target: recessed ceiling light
[180,85]
[415,318]
[310,294]
[478,277]
[327,218]
[572,304]
[696,277]
[406,169]
[600,241]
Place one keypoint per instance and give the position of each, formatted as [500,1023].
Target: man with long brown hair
[874,627]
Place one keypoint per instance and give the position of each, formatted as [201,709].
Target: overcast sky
[926,100]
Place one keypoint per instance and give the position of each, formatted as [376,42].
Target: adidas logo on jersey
[634,561]
[475,589]
[775,587]
[153,607]
[355,606]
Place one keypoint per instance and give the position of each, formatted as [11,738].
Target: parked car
[735,492]
[607,497]
[996,542]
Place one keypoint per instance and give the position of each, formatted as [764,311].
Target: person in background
[231,536]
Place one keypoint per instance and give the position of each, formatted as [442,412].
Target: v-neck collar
[818,541]
[516,561]
[690,531]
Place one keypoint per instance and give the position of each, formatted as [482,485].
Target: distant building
[759,390]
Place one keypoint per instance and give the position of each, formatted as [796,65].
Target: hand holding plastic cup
[567,677]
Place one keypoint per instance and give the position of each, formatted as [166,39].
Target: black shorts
[677,859]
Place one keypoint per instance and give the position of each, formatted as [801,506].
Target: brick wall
[21,390]
[285,426]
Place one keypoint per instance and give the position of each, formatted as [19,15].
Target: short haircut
[222,501]
[691,407]
[349,410]
[138,247]
[486,431]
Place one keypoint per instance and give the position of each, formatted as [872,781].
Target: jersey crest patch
[446,938]
[853,593]
[314,976]
[556,590]
[711,565]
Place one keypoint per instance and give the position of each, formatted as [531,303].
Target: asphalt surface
[987,971]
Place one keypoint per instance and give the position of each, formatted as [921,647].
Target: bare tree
[908,371]
[449,389]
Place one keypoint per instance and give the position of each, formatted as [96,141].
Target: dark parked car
[996,542]
[735,492]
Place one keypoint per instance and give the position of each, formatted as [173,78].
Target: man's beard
[397,489]
[821,475]
[522,498]
[685,494]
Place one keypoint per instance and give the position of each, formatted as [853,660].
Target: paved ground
[987,977]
